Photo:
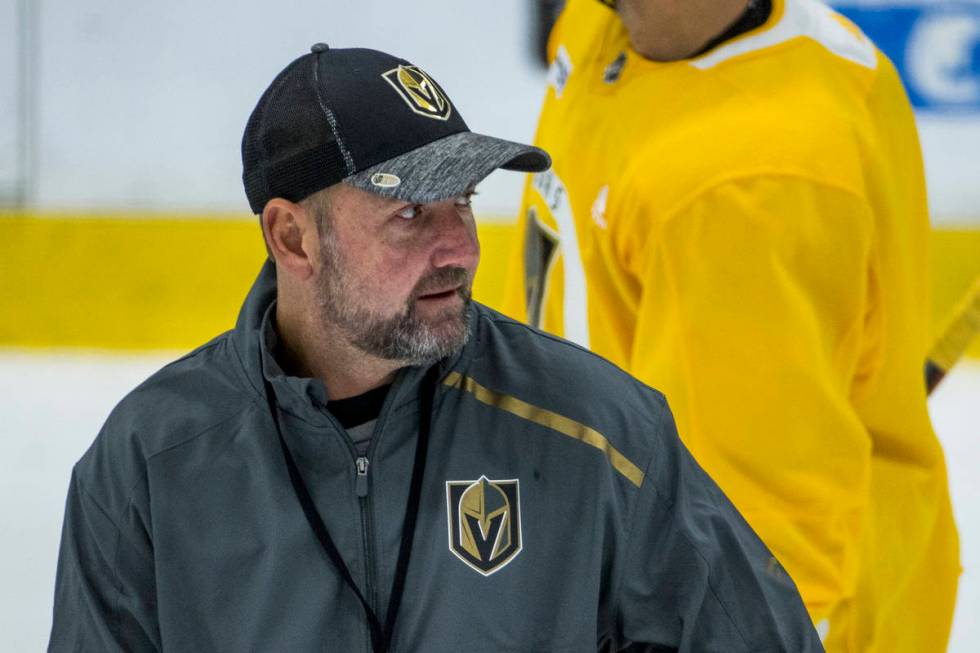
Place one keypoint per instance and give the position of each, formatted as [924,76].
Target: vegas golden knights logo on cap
[418,90]
[484,522]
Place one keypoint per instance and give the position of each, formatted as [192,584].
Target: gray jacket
[559,512]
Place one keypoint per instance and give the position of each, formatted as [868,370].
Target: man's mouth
[442,287]
[441,294]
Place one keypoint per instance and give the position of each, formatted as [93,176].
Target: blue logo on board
[934,45]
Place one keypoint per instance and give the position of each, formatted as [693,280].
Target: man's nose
[454,240]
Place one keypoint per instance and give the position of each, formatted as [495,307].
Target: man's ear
[291,237]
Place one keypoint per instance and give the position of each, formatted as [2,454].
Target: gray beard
[413,341]
[403,337]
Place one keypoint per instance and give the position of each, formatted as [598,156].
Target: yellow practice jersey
[747,232]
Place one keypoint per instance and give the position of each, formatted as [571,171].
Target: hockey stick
[962,327]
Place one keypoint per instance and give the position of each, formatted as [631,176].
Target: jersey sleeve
[697,578]
[105,589]
[916,546]
[757,306]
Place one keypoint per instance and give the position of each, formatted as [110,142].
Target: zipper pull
[361,485]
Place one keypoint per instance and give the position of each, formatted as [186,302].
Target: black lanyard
[380,636]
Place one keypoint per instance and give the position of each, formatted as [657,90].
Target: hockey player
[737,215]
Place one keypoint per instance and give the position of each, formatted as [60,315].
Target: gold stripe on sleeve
[550,420]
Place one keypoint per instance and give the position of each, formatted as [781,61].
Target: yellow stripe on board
[114,282]
[173,281]
[550,420]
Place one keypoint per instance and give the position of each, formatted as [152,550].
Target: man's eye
[409,212]
[466,199]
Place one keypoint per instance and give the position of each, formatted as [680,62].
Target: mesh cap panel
[289,149]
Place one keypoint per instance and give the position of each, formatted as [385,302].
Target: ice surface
[955,410]
[52,405]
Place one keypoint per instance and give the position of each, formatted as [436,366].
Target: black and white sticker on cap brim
[385,180]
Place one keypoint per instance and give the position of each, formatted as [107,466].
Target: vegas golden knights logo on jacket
[484,522]
[419,91]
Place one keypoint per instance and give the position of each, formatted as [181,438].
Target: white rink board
[150,112]
[144,108]
[10,96]
[51,406]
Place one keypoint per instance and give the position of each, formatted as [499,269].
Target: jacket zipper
[364,497]
[361,466]
[361,489]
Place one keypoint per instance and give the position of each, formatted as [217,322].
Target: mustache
[439,279]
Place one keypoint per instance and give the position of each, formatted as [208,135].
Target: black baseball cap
[373,121]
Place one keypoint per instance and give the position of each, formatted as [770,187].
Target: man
[370,461]
[736,215]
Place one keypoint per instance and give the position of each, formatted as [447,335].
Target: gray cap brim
[447,167]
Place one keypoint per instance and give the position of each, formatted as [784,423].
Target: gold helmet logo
[484,522]
[417,89]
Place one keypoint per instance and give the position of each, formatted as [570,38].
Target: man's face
[395,278]
[670,30]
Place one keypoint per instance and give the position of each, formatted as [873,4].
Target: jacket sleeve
[697,578]
[105,593]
